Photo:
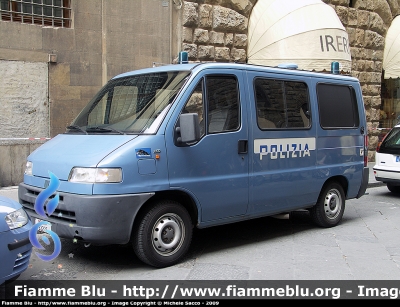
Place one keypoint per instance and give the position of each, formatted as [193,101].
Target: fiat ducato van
[162,150]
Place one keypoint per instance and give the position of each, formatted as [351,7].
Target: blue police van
[162,150]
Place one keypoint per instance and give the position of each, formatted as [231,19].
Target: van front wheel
[329,209]
[163,234]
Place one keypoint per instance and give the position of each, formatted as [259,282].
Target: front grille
[58,214]
[22,261]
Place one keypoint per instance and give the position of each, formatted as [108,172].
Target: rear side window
[281,104]
[337,106]
[391,143]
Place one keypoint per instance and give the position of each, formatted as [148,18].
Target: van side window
[195,105]
[281,104]
[337,106]
[222,103]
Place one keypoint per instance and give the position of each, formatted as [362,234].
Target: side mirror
[188,130]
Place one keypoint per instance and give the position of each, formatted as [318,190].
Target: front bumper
[15,252]
[98,219]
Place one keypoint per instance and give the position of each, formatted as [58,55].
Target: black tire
[166,221]
[329,209]
[393,188]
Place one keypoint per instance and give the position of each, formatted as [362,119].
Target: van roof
[218,65]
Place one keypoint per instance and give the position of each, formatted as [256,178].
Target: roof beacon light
[183,57]
[288,65]
[335,68]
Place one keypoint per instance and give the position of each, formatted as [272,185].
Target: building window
[55,13]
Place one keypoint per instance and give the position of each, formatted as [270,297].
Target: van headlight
[95,175]
[28,168]
[17,219]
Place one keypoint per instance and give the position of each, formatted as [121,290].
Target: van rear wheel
[329,209]
[163,234]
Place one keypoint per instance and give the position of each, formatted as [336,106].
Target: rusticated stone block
[358,53]
[394,7]
[373,89]
[190,15]
[222,53]
[363,19]
[359,65]
[352,17]
[201,36]
[373,40]
[340,2]
[375,77]
[351,32]
[374,55]
[229,39]
[225,19]
[360,4]
[343,15]
[240,40]
[206,52]
[238,55]
[374,114]
[360,37]
[191,50]
[216,38]
[376,100]
[376,23]
[382,8]
[369,66]
[187,35]
[205,16]
[373,141]
[363,76]
[378,66]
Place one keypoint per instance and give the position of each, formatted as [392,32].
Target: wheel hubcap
[168,234]
[332,204]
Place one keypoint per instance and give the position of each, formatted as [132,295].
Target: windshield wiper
[76,127]
[100,129]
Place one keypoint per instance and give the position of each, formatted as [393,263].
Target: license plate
[42,228]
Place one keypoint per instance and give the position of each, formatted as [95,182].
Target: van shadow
[248,232]
[76,259]
[206,240]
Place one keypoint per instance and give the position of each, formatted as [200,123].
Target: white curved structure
[306,32]
[391,53]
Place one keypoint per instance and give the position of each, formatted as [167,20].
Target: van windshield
[132,104]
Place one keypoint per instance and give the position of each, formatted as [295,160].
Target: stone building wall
[366,22]
[216,30]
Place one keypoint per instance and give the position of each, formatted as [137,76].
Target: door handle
[242,146]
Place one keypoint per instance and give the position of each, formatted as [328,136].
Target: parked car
[15,246]
[387,157]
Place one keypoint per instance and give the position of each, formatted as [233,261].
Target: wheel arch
[342,180]
[179,196]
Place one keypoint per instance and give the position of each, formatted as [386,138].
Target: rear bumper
[364,183]
[386,174]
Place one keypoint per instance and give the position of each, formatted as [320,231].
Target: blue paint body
[283,169]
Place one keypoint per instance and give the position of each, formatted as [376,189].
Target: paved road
[364,246]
